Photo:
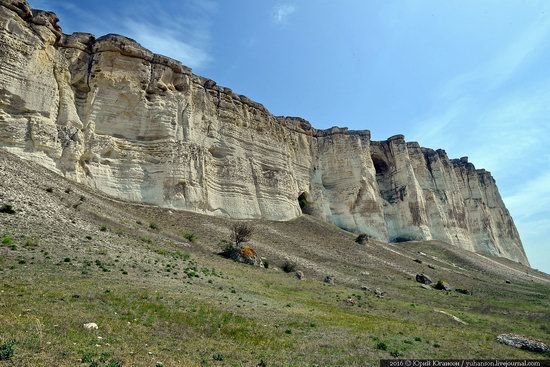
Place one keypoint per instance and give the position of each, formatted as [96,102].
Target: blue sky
[470,77]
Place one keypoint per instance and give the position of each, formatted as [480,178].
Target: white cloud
[533,197]
[165,42]
[177,30]
[501,121]
[282,12]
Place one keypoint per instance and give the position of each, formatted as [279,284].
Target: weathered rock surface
[362,239]
[108,113]
[523,342]
[424,279]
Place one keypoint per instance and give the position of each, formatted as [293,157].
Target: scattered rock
[379,293]
[418,261]
[442,286]
[329,279]
[90,326]
[523,342]
[508,281]
[431,266]
[463,291]
[421,253]
[365,288]
[351,301]
[424,279]
[366,273]
[452,317]
[300,275]
[362,239]
[245,254]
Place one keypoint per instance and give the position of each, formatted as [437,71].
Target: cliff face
[143,127]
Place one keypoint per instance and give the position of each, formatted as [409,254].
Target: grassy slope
[137,284]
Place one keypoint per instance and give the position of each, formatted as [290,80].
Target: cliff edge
[142,127]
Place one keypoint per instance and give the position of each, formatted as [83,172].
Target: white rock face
[139,126]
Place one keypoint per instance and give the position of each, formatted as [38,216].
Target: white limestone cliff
[142,127]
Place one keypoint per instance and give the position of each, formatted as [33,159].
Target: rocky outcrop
[142,127]
[523,342]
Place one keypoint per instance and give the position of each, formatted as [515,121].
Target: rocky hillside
[152,281]
[138,126]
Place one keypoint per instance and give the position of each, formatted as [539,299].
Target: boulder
[91,326]
[329,279]
[379,293]
[418,261]
[300,275]
[351,301]
[362,239]
[523,342]
[442,286]
[424,279]
[365,288]
[245,254]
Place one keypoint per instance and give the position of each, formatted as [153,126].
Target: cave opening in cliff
[304,202]
[379,166]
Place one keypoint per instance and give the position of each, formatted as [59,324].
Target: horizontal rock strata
[142,127]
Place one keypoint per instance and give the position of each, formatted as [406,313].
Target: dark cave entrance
[380,166]
[383,178]
[304,202]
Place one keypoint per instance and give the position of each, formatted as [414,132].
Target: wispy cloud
[166,42]
[460,96]
[500,119]
[282,12]
[532,198]
[178,30]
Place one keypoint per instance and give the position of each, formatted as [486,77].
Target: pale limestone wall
[142,127]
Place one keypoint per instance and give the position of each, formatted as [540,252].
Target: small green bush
[6,350]
[87,357]
[103,228]
[229,250]
[395,353]
[153,226]
[218,357]
[289,266]
[381,346]
[31,243]
[7,240]
[189,236]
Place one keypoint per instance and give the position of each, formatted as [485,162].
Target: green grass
[162,301]
[248,315]
[7,240]
[189,236]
